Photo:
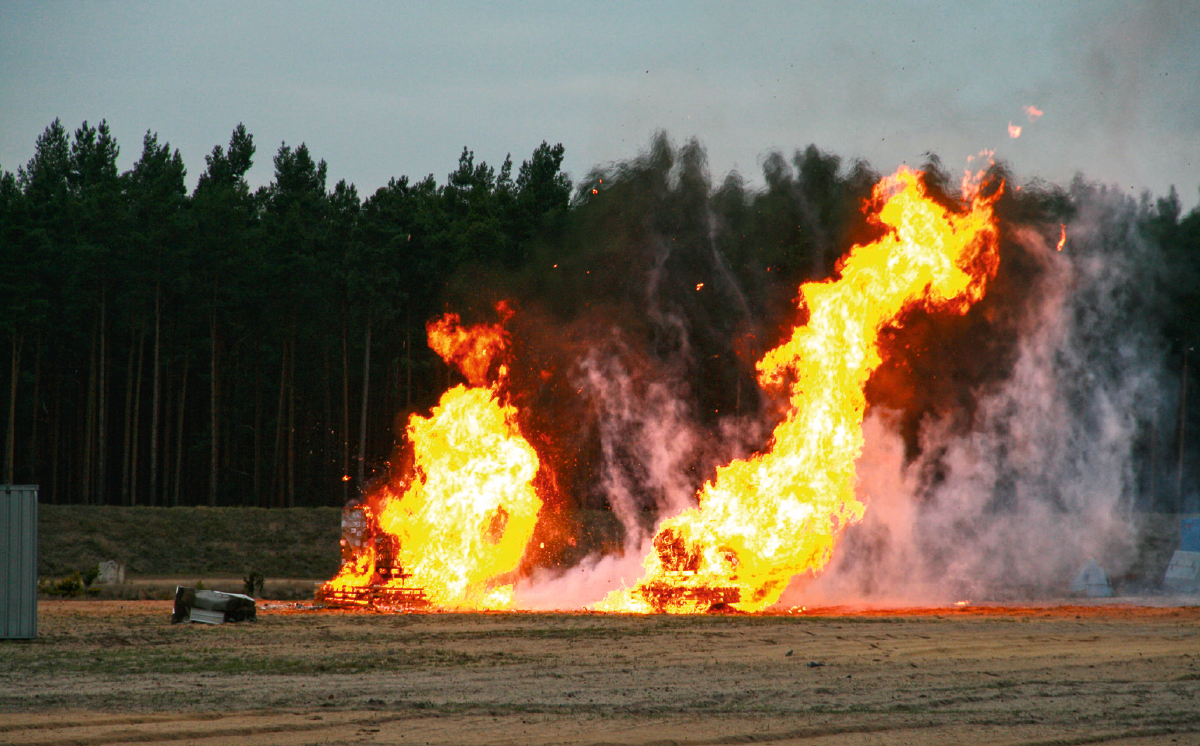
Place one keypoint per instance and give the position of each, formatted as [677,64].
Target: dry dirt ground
[113,672]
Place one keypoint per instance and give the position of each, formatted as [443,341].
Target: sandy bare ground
[113,672]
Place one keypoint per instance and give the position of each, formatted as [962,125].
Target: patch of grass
[278,543]
[234,661]
[535,633]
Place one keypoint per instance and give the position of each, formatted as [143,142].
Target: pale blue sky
[385,89]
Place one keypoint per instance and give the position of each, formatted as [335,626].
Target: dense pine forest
[232,346]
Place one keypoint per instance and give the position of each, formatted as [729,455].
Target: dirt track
[109,672]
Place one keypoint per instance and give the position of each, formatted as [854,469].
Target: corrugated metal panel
[18,561]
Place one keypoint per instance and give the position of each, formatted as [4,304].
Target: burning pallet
[359,534]
[680,588]
[668,596]
[373,597]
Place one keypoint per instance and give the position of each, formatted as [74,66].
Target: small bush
[75,584]
[253,584]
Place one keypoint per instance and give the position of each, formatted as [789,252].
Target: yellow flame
[463,517]
[468,516]
[777,514]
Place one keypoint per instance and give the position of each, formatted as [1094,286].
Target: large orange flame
[775,515]
[461,519]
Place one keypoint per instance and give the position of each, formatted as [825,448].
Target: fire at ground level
[1157,568]
[118,671]
[390,586]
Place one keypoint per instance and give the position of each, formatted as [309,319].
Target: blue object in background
[1189,534]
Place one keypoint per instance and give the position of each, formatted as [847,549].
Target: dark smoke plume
[1004,447]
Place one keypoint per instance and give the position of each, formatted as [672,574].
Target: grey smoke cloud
[648,439]
[1044,478]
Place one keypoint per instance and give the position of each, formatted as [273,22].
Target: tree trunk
[291,431]
[128,416]
[153,498]
[137,426]
[102,426]
[1182,432]
[408,356]
[362,423]
[10,438]
[179,433]
[1151,464]
[167,413]
[345,408]
[277,469]
[89,430]
[55,435]
[327,439]
[258,494]
[33,431]
[215,419]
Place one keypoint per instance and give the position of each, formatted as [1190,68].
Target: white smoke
[647,437]
[584,584]
[648,442]
[1044,478]
[651,445]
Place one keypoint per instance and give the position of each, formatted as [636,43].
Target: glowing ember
[1033,112]
[1014,130]
[461,519]
[765,519]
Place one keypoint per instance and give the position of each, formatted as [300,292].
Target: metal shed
[18,560]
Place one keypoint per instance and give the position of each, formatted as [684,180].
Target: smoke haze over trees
[264,347]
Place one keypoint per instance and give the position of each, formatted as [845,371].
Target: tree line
[231,346]
[238,346]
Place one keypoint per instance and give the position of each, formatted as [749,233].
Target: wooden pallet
[374,597]
[664,596]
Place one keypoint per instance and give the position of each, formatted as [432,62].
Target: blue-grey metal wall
[18,560]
